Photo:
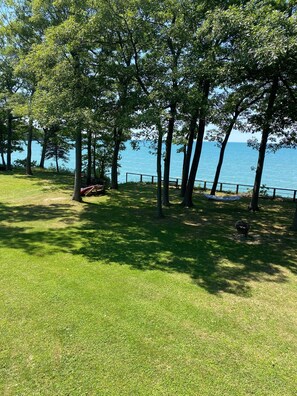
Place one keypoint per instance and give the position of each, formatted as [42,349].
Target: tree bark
[9,140]
[3,136]
[78,91]
[77,179]
[222,153]
[3,159]
[262,150]
[29,148]
[167,159]
[184,162]
[46,134]
[94,147]
[159,173]
[57,160]
[114,166]
[188,197]
[189,149]
[89,159]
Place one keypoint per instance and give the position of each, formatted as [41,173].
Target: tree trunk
[188,197]
[168,155]
[29,148]
[184,162]
[78,95]
[89,160]
[102,168]
[187,159]
[3,159]
[77,179]
[46,135]
[57,160]
[159,173]
[222,153]
[295,220]
[262,150]
[94,157]
[9,140]
[114,165]
[2,147]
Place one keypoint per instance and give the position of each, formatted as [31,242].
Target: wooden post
[141,178]
[274,192]
[221,187]
[294,196]
[152,179]
[237,188]
[126,177]
[204,187]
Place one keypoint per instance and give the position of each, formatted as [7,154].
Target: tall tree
[203,65]
[9,86]
[188,149]
[230,106]
[188,196]
[61,64]
[19,37]
[56,146]
[134,24]
[263,51]
[267,124]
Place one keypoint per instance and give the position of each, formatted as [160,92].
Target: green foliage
[58,150]
[102,153]
[22,163]
[264,190]
[137,65]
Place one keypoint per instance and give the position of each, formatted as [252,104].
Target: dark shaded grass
[194,241]
[123,229]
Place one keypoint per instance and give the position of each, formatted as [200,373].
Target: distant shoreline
[239,163]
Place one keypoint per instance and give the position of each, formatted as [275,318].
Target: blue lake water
[240,160]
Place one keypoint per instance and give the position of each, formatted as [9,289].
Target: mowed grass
[102,298]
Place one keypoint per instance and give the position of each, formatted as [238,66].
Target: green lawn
[101,298]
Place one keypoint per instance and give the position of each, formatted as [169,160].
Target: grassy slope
[101,298]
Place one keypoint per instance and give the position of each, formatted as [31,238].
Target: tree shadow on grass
[200,242]
[44,178]
[23,213]
[39,243]
[18,228]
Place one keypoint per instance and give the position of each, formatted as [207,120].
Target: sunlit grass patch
[104,298]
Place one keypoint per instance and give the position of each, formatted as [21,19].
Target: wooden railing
[236,188]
